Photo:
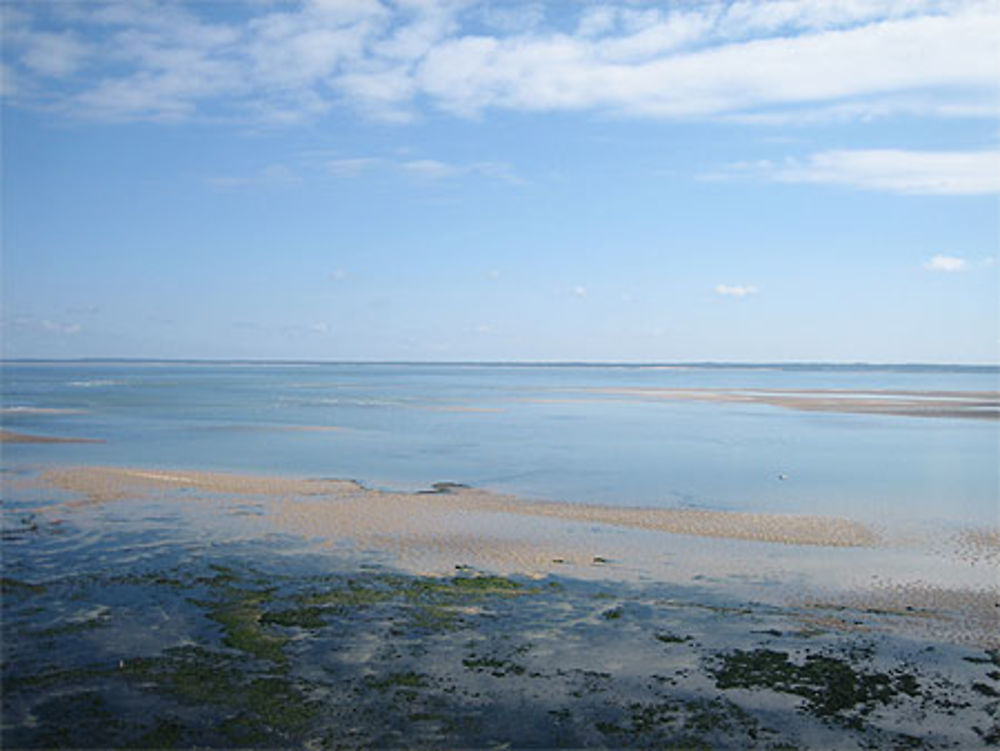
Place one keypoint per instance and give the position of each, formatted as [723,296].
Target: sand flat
[359,510]
[982,405]
[832,567]
[9,436]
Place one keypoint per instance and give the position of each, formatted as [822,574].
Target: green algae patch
[829,685]
[16,588]
[485,584]
[68,720]
[352,595]
[432,617]
[494,666]
[307,617]
[678,724]
[77,626]
[192,674]
[167,732]
[58,678]
[261,708]
[408,679]
[240,612]
[430,603]
[669,638]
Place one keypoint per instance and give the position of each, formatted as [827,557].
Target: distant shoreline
[791,366]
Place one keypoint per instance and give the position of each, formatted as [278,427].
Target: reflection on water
[527,430]
[167,625]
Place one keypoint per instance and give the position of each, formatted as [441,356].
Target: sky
[445,180]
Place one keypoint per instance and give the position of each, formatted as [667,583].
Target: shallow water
[539,431]
[159,625]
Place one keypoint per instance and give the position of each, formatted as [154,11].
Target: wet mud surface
[258,646]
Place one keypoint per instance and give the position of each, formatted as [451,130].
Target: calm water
[527,430]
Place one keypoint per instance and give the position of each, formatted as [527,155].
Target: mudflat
[169,607]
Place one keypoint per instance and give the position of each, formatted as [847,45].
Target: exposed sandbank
[982,405]
[9,436]
[363,510]
[830,565]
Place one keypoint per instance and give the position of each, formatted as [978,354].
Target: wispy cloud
[90,310]
[889,170]
[351,167]
[44,326]
[945,263]
[271,176]
[735,290]
[433,169]
[898,171]
[429,168]
[720,59]
[579,292]
[318,328]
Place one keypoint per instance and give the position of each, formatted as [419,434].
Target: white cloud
[350,167]
[271,176]
[557,71]
[724,59]
[890,170]
[735,290]
[63,329]
[580,292]
[429,168]
[44,326]
[899,171]
[433,169]
[54,55]
[337,275]
[946,264]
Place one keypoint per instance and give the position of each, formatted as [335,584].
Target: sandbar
[979,405]
[944,584]
[359,509]
[9,436]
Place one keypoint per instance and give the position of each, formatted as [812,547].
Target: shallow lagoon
[166,628]
[542,432]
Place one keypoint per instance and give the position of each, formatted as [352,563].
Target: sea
[541,431]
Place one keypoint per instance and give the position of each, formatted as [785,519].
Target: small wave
[97,382]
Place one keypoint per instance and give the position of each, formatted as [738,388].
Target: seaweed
[829,685]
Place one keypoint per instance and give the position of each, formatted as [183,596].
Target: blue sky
[454,180]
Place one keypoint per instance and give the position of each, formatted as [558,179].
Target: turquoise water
[532,430]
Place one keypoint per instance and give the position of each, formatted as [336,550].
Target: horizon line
[509,363]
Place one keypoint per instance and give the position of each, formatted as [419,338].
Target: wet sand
[943,583]
[150,607]
[353,510]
